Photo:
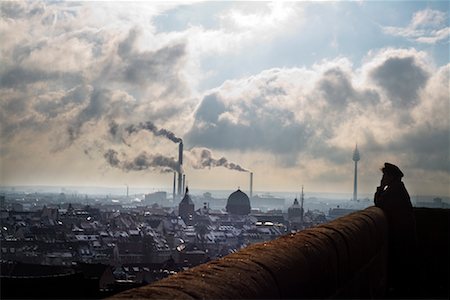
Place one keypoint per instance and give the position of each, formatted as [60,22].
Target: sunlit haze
[100,93]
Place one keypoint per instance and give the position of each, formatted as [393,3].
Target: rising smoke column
[142,161]
[149,126]
[200,158]
[204,159]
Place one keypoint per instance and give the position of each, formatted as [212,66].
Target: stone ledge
[342,258]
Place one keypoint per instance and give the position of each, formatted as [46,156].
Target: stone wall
[432,262]
[345,258]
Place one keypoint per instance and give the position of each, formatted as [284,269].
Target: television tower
[356,158]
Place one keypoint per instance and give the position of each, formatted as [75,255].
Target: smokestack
[180,167]
[251,185]
[301,205]
[356,158]
[174,185]
[184,181]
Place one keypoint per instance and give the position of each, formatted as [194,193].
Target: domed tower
[238,203]
[295,211]
[186,207]
[356,158]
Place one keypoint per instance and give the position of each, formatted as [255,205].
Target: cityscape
[143,140]
[125,241]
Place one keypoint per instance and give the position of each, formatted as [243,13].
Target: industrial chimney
[174,185]
[180,167]
[356,158]
[251,185]
[184,181]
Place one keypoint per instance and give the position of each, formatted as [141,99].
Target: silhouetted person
[393,198]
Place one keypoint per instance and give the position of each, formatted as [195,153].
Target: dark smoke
[113,128]
[143,161]
[115,131]
[206,160]
[111,157]
[149,126]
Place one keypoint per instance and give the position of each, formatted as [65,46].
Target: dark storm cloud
[401,78]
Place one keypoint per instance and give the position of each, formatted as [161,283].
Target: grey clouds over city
[249,83]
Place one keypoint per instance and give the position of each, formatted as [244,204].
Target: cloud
[21,77]
[426,26]
[244,125]
[73,78]
[380,106]
[401,78]
[149,68]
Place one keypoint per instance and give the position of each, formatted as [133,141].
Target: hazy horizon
[133,190]
[101,93]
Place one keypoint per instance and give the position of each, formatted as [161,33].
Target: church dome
[238,203]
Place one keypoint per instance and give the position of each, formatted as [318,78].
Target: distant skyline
[99,94]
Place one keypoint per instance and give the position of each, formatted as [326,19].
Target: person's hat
[392,170]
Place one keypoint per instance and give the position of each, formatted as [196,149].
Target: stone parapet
[345,258]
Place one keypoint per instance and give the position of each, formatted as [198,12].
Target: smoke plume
[205,159]
[200,158]
[143,161]
[149,126]
[111,157]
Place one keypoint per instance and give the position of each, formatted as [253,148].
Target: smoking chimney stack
[174,185]
[184,181]
[251,185]
[356,158]
[180,167]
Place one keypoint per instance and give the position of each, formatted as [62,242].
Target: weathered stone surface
[343,258]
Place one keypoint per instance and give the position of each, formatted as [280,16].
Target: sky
[100,94]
